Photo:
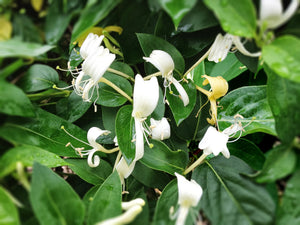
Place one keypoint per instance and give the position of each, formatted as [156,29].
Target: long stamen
[63,128]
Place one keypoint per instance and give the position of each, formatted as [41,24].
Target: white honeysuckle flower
[165,64]
[132,209]
[222,46]
[90,45]
[94,66]
[92,135]
[214,142]
[160,129]
[124,170]
[189,194]
[145,99]
[271,13]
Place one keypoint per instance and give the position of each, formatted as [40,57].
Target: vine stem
[152,75]
[195,164]
[120,74]
[197,63]
[115,87]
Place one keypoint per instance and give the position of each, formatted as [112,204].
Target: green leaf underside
[283,56]
[160,157]
[125,131]
[53,199]
[251,103]
[231,198]
[106,202]
[26,155]
[236,17]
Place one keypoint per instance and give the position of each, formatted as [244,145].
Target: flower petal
[218,85]
[93,134]
[90,45]
[238,44]
[220,48]
[183,95]
[139,140]
[160,129]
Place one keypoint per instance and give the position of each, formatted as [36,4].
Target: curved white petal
[270,10]
[77,86]
[90,45]
[137,201]
[123,169]
[93,160]
[239,45]
[160,129]
[288,13]
[183,95]
[93,134]
[145,96]
[139,139]
[220,48]
[86,90]
[189,192]
[162,61]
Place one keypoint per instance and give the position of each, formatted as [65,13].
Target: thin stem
[152,75]
[206,92]
[195,164]
[11,68]
[120,74]
[197,63]
[115,87]
[109,151]
[22,176]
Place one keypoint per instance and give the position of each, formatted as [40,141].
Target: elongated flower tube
[271,13]
[222,46]
[94,67]
[90,45]
[145,99]
[160,129]
[189,194]
[124,170]
[165,64]
[214,142]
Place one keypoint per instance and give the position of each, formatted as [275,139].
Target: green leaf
[53,200]
[181,112]
[159,111]
[280,162]
[230,198]
[289,209]
[107,200]
[8,213]
[283,57]
[168,199]
[27,154]
[39,77]
[13,101]
[177,9]
[91,175]
[250,102]
[283,97]
[236,17]
[72,108]
[160,157]
[150,42]
[44,131]
[108,96]
[92,14]
[248,152]
[123,67]
[125,132]
[17,48]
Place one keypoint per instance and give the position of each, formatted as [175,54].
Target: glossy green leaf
[17,48]
[92,14]
[181,112]
[236,17]
[251,103]
[44,131]
[38,77]
[123,67]
[27,154]
[109,118]
[283,56]
[248,152]
[198,18]
[125,132]
[53,200]
[108,96]
[280,162]
[289,209]
[283,97]
[8,214]
[72,108]
[177,9]
[231,198]
[159,111]
[91,175]
[16,104]
[150,42]
[162,158]
[107,200]
[168,199]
